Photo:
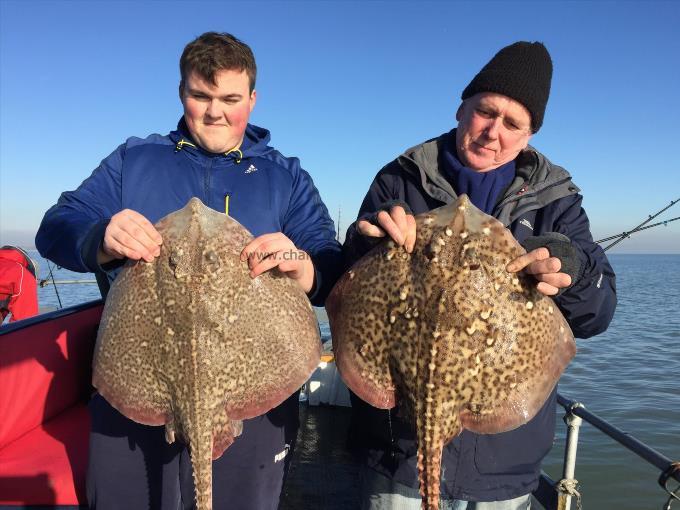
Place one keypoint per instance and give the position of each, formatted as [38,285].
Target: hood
[20,256]
[255,142]
[423,161]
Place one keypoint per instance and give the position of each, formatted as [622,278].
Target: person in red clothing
[18,286]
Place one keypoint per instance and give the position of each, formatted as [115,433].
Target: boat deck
[323,473]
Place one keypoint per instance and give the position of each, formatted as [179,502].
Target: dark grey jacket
[540,199]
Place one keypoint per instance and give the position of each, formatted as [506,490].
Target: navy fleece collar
[483,188]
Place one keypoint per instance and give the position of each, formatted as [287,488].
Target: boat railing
[559,494]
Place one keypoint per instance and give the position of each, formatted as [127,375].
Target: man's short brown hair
[216,51]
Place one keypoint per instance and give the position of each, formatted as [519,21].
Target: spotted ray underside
[448,333]
[191,342]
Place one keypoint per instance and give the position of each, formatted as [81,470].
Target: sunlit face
[217,115]
[492,130]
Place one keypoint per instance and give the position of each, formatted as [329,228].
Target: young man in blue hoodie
[217,156]
[488,157]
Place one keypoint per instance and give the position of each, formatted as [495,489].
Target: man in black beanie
[488,157]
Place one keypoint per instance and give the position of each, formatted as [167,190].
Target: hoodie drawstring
[180,145]
[237,152]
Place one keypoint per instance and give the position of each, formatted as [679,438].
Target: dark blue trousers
[131,466]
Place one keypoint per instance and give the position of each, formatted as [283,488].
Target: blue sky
[346,87]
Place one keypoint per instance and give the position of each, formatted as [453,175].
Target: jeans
[380,493]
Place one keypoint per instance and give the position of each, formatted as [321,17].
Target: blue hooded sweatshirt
[266,192]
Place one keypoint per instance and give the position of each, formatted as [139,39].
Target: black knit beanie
[521,71]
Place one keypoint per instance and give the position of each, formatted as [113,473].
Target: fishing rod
[49,266]
[627,234]
[623,235]
[45,283]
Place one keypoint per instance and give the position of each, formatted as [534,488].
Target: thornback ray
[448,334]
[192,342]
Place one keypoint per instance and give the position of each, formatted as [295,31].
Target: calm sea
[629,376]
